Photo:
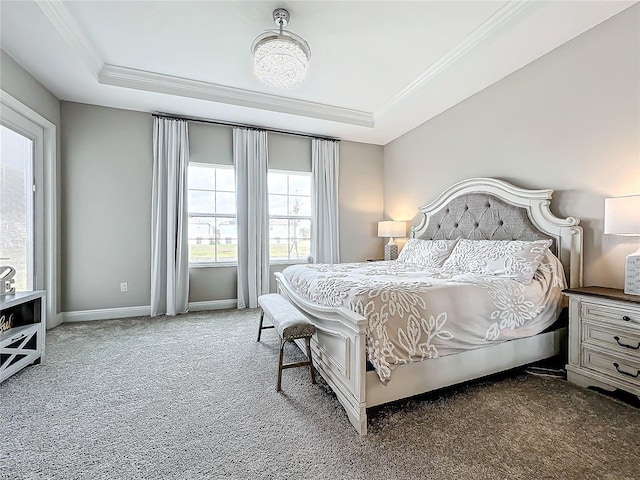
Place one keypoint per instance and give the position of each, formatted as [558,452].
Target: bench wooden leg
[278,385]
[313,375]
[308,362]
[260,326]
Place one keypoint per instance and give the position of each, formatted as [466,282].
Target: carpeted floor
[193,397]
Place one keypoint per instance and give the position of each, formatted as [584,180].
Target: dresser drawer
[19,347]
[615,339]
[620,368]
[619,315]
[24,337]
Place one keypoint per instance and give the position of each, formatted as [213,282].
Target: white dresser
[604,338]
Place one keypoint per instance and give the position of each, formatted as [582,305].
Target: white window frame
[13,115]
[290,261]
[215,215]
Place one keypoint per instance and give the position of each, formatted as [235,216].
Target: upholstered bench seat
[291,324]
[287,319]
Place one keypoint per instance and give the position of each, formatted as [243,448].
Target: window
[22,235]
[289,215]
[16,206]
[213,232]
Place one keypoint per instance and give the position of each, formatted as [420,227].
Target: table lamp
[622,217]
[389,228]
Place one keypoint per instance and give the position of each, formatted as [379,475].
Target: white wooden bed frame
[339,344]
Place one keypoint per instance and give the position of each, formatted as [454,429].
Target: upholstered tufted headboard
[491,209]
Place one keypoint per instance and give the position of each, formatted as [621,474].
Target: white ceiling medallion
[281,58]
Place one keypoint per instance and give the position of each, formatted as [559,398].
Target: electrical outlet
[124,287]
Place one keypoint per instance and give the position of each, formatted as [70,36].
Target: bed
[368,360]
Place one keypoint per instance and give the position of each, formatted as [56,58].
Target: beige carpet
[193,397]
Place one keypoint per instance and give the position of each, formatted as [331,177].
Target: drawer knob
[617,339]
[626,318]
[617,365]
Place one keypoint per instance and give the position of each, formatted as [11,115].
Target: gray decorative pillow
[426,253]
[514,259]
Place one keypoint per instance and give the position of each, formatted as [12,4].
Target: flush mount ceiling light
[281,58]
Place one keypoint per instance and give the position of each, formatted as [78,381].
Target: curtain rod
[243,125]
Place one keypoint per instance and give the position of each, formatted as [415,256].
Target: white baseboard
[55,321]
[141,311]
[213,305]
[105,314]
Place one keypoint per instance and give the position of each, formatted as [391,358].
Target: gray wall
[106,207]
[106,203]
[569,121]
[361,201]
[18,83]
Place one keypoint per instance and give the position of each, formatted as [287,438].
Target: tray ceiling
[378,69]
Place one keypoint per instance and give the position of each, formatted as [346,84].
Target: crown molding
[69,29]
[66,25]
[475,38]
[184,87]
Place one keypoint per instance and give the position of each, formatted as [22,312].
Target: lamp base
[632,274]
[391,251]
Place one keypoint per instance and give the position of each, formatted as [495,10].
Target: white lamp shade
[622,215]
[390,228]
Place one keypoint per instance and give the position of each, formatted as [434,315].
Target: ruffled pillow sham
[514,259]
[426,253]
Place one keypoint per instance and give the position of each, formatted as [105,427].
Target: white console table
[23,344]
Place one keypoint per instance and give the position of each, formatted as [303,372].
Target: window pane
[277,183]
[226,202]
[201,202]
[300,206]
[201,177]
[299,228]
[202,240]
[16,207]
[300,185]
[299,249]
[225,179]
[278,238]
[227,240]
[278,230]
[278,205]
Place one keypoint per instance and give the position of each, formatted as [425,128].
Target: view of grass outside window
[213,232]
[289,215]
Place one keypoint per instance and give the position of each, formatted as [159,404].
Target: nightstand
[604,339]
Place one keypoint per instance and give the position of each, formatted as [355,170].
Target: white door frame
[49,195]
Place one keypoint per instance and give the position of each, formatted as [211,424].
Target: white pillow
[514,259]
[426,253]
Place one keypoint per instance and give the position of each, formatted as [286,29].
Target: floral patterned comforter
[416,314]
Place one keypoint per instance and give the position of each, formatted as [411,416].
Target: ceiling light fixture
[281,58]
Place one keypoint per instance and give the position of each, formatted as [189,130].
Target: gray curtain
[325,160]
[250,160]
[169,218]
